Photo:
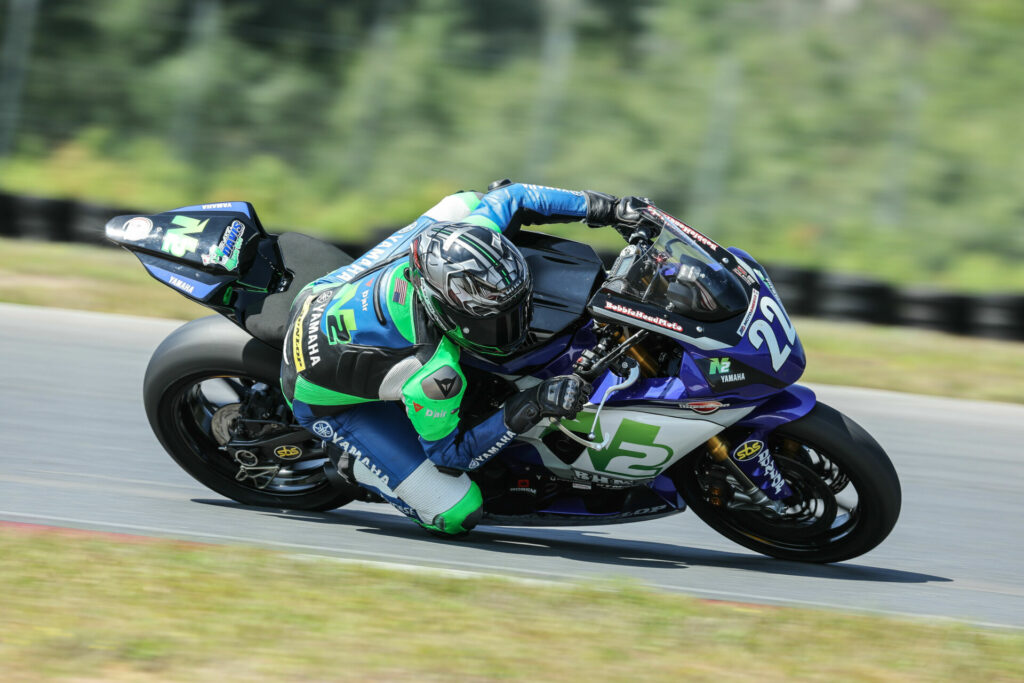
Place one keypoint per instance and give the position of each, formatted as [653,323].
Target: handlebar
[630,380]
[643,234]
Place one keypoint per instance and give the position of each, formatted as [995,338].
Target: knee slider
[473,518]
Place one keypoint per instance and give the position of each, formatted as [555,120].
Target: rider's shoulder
[454,207]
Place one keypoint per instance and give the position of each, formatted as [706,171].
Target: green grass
[91,609]
[912,360]
[902,359]
[87,278]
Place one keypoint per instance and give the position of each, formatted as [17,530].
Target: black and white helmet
[474,284]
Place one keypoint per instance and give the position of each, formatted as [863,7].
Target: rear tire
[195,356]
[825,457]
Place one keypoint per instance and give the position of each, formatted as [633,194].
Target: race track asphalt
[76,451]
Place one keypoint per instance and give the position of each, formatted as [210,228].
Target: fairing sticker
[640,445]
[233,207]
[194,288]
[226,252]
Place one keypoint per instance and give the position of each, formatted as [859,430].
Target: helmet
[474,284]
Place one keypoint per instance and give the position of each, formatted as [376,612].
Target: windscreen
[679,275]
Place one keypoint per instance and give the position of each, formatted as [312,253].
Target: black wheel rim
[201,407]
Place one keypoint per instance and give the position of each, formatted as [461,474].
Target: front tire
[846,498]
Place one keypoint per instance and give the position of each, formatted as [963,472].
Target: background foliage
[875,136]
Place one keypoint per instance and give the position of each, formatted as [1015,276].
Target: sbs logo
[288,452]
[748,449]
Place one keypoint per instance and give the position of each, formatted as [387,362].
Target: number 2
[761,331]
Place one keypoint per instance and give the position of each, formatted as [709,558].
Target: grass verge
[82,607]
[901,359]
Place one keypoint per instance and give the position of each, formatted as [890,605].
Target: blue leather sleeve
[531,204]
[396,243]
[469,449]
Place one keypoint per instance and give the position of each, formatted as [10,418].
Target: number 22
[761,331]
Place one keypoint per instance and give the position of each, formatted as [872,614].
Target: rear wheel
[846,494]
[220,414]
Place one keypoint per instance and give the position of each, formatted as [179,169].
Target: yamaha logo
[323,429]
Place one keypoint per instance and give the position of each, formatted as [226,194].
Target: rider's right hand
[557,397]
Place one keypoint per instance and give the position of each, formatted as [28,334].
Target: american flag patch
[401,291]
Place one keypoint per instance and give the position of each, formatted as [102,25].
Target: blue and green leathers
[361,355]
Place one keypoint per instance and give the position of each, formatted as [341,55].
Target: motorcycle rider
[371,353]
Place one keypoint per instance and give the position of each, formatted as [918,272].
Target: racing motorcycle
[690,351]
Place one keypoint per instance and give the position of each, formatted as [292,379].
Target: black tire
[203,351]
[835,454]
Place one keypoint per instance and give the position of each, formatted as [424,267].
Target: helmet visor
[499,334]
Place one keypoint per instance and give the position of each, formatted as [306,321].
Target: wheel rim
[825,507]
[207,410]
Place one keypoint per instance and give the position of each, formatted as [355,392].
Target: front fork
[751,461]
[752,464]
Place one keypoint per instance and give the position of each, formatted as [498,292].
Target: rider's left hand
[605,209]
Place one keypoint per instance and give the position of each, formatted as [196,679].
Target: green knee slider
[462,516]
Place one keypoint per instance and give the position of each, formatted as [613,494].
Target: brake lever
[630,380]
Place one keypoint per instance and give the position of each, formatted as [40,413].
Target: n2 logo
[761,332]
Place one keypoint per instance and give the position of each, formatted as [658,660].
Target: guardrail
[804,291]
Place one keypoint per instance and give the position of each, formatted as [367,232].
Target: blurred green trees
[875,136]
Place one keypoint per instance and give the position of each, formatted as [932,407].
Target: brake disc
[223,422]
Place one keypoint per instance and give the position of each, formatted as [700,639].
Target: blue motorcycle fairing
[788,405]
[776,409]
[768,358]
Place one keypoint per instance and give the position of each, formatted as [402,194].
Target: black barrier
[804,291]
[8,215]
[998,315]
[797,287]
[934,310]
[845,297]
[49,219]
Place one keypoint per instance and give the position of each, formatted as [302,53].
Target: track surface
[76,451]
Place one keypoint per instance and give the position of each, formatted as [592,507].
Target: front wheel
[846,494]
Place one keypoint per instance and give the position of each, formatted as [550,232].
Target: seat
[307,258]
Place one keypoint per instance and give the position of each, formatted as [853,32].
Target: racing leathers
[366,371]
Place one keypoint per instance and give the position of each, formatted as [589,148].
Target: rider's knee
[464,515]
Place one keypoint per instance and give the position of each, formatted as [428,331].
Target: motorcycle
[690,351]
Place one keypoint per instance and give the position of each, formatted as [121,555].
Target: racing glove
[606,209]
[561,396]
